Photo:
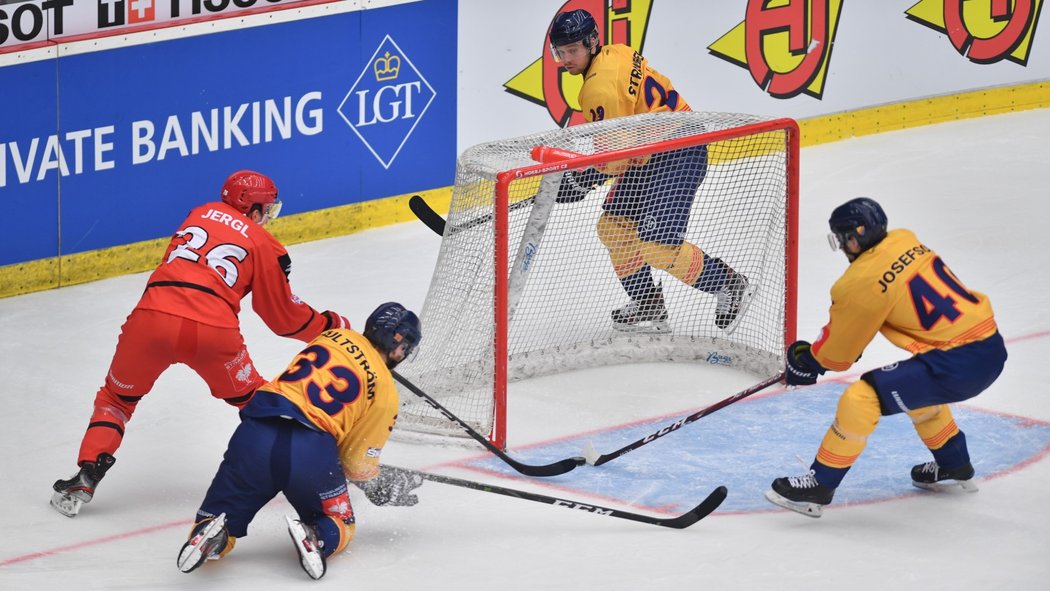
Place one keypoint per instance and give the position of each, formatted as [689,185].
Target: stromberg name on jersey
[358,355]
[238,225]
[900,264]
[636,74]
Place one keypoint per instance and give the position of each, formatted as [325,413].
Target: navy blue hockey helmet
[573,26]
[390,325]
[861,218]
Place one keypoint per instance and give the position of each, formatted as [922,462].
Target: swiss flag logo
[141,11]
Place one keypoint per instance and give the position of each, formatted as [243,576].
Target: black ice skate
[71,494]
[311,555]
[649,315]
[930,476]
[206,543]
[733,300]
[802,494]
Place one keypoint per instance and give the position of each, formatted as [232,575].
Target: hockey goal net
[524,287]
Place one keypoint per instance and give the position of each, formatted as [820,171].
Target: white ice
[975,191]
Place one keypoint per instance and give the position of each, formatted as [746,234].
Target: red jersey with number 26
[904,290]
[217,257]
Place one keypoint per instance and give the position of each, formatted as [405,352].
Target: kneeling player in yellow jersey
[322,422]
[897,286]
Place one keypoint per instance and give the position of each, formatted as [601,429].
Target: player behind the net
[322,422]
[898,286]
[644,219]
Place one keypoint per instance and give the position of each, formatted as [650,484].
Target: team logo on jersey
[649,223]
[985,31]
[387,102]
[784,44]
[240,368]
[244,373]
[545,83]
[339,507]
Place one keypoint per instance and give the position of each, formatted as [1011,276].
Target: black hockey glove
[802,369]
[575,185]
[393,487]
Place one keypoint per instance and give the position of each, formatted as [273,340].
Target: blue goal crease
[748,445]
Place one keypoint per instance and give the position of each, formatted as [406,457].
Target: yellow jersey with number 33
[342,386]
[904,290]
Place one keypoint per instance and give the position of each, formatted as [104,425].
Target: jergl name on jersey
[238,225]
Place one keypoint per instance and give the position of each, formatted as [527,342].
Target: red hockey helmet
[246,188]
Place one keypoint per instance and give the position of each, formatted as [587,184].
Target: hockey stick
[683,521]
[436,223]
[559,467]
[597,460]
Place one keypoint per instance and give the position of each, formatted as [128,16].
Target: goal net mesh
[563,280]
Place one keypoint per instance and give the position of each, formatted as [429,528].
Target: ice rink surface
[975,191]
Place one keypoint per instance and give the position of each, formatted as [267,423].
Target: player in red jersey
[189,314]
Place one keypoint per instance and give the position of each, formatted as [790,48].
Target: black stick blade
[428,216]
[705,508]
[554,469]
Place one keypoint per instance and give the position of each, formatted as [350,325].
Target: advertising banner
[785,58]
[30,144]
[338,109]
[28,22]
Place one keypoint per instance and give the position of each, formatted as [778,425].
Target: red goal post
[523,286]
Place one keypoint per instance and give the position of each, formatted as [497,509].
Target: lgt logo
[386,102]
[114,13]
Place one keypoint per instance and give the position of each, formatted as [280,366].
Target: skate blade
[807,509]
[969,486]
[311,560]
[191,557]
[65,504]
[745,303]
[643,328]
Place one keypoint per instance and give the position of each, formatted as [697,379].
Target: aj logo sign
[546,83]
[784,44]
[985,31]
[386,102]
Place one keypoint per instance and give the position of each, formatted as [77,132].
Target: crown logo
[387,67]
